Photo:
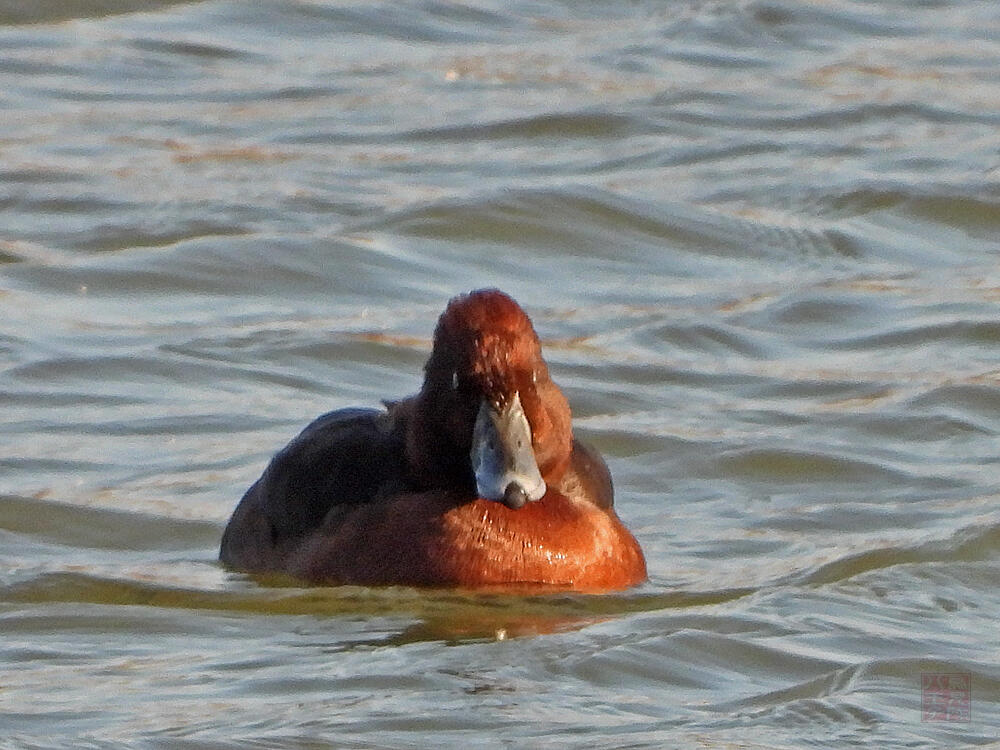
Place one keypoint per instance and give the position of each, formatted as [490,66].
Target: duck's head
[488,416]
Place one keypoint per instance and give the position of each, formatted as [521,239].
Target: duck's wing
[342,458]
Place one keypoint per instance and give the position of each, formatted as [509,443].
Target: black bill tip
[514,496]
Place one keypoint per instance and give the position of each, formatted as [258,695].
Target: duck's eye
[454,380]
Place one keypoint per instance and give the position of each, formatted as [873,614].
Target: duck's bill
[502,457]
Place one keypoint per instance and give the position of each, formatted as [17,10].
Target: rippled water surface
[760,242]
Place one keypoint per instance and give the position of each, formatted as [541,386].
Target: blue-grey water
[759,239]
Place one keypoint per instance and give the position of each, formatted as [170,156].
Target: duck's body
[459,485]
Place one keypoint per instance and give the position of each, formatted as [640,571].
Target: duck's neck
[433,459]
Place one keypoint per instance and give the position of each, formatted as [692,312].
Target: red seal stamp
[946,696]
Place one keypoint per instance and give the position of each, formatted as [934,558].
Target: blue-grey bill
[503,460]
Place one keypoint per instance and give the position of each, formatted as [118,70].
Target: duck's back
[346,457]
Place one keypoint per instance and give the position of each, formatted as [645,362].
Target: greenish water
[758,239]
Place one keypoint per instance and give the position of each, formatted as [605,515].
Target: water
[759,240]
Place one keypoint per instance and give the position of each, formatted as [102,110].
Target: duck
[475,482]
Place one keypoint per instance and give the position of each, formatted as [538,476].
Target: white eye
[534,376]
[454,381]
